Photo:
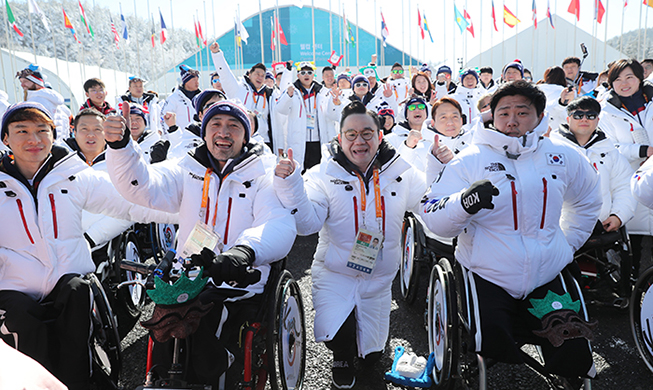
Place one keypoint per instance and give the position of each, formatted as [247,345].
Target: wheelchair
[271,343]
[606,260]
[450,315]
[420,250]
[641,316]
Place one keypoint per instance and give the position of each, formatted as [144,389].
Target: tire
[409,268]
[442,324]
[129,300]
[105,344]
[641,307]
[286,336]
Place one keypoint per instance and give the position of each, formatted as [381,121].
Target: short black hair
[520,88]
[647,60]
[397,65]
[358,107]
[486,69]
[94,82]
[571,60]
[584,103]
[87,112]
[620,65]
[258,66]
[327,68]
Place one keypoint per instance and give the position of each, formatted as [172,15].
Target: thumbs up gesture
[286,165]
[115,125]
[441,152]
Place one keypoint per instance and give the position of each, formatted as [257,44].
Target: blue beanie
[227,107]
[515,64]
[414,99]
[444,69]
[187,73]
[359,78]
[468,72]
[425,68]
[137,109]
[33,74]
[21,106]
[201,98]
[344,76]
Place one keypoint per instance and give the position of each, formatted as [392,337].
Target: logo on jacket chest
[555,159]
[339,182]
[196,177]
[495,167]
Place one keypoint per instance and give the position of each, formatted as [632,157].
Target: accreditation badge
[310,121]
[365,251]
[200,237]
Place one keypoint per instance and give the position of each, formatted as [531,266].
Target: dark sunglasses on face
[590,115]
[420,106]
[398,71]
[351,135]
[305,72]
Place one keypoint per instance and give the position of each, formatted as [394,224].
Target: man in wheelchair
[521,204]
[45,304]
[223,193]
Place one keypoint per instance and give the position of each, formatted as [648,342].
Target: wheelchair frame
[641,301]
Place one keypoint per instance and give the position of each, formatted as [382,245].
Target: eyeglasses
[590,115]
[419,106]
[214,81]
[398,71]
[351,135]
[96,90]
[305,72]
[360,85]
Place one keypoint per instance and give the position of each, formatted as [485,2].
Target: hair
[357,107]
[571,60]
[528,71]
[584,103]
[88,112]
[397,65]
[621,65]
[520,88]
[327,68]
[257,66]
[443,100]
[555,75]
[480,100]
[29,114]
[486,69]
[647,60]
[427,94]
[134,81]
[254,120]
[94,82]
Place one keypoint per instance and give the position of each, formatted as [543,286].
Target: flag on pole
[12,20]
[468,19]
[153,34]
[114,31]
[419,23]
[548,14]
[282,36]
[164,30]
[201,34]
[272,36]
[509,18]
[125,34]
[460,19]
[348,32]
[426,26]
[385,33]
[85,22]
[242,32]
[334,59]
[34,9]
[69,25]
[574,8]
[494,18]
[599,11]
[534,15]
[646,2]
[198,42]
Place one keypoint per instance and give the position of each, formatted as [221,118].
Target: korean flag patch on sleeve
[555,159]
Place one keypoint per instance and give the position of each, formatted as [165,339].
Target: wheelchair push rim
[408,280]
[132,253]
[641,316]
[441,310]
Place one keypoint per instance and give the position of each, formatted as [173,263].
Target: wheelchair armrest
[597,241]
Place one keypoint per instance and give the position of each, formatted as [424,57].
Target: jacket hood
[73,145]
[53,97]
[315,87]
[511,147]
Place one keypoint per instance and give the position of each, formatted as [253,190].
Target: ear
[339,139]
[86,93]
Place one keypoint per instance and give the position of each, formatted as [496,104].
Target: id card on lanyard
[310,114]
[369,240]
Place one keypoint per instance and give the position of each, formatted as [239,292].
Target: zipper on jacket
[226,228]
[206,214]
[514,203]
[355,215]
[544,190]
[383,212]
[54,216]
[22,216]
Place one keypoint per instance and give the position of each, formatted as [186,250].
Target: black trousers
[344,346]
[636,245]
[505,323]
[57,334]
[312,154]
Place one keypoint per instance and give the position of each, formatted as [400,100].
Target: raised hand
[286,165]
[414,136]
[170,119]
[115,125]
[441,152]
[387,90]
[215,47]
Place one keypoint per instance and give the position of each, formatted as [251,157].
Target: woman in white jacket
[365,188]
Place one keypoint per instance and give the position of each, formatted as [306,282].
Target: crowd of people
[520,171]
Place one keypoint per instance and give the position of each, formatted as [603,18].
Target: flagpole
[492,36]
[639,30]
[480,39]
[533,51]
[555,32]
[115,75]
[152,48]
[376,47]
[31,30]
[97,46]
[10,46]
[215,35]
[517,31]
[313,26]
[621,37]
[277,24]
[357,43]
[172,27]
[410,36]
[645,33]
[2,63]
[503,34]
[403,38]
[331,28]
[605,35]
[546,51]
[595,30]
[138,45]
[260,29]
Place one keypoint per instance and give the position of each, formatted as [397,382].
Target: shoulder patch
[555,159]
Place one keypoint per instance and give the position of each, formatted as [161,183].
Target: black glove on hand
[232,265]
[159,151]
[479,196]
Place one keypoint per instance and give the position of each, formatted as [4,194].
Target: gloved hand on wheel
[232,265]
[479,196]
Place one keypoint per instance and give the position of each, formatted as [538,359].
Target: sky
[219,16]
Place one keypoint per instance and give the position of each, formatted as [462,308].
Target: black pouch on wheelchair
[178,321]
[560,319]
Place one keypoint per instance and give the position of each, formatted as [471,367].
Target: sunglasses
[398,71]
[351,135]
[305,72]
[420,106]
[360,85]
[215,81]
[590,115]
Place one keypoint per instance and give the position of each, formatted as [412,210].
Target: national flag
[153,34]
[125,34]
[334,59]
[419,23]
[426,26]
[198,42]
[574,8]
[599,11]
[199,29]
[282,36]
[242,31]
[164,30]
[67,24]
[509,18]
[646,2]
[469,20]
[548,14]
[494,18]
[272,45]
[114,31]
[34,9]
[534,15]
[460,19]
[85,22]
[350,35]
[385,33]
[12,20]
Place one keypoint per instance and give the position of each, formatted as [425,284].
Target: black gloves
[230,266]
[159,151]
[479,196]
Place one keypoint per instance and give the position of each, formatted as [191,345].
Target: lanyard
[205,194]
[377,198]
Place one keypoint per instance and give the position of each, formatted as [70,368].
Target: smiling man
[520,204]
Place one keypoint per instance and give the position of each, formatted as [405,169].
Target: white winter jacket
[248,212]
[641,184]
[327,200]
[468,98]
[53,102]
[557,112]
[42,237]
[181,105]
[548,203]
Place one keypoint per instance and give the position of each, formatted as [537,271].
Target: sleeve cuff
[643,151]
[123,142]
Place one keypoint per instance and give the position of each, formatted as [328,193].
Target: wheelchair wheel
[641,312]
[286,336]
[408,271]
[129,300]
[105,346]
[442,323]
